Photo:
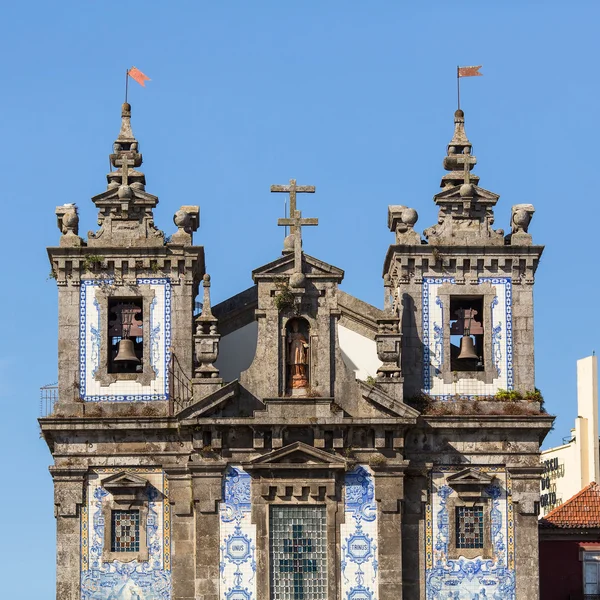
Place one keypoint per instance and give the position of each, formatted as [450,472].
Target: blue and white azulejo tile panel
[90,337]
[359,537]
[237,538]
[148,580]
[433,341]
[476,578]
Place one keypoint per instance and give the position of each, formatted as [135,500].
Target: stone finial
[466,211]
[206,338]
[401,220]
[389,352]
[126,210]
[187,219]
[459,157]
[520,218]
[67,218]
[125,155]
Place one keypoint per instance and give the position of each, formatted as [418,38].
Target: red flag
[469,71]
[136,74]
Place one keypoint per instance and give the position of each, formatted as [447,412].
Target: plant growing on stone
[283,298]
[91,262]
[377,460]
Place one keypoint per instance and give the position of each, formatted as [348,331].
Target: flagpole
[458,84]
[126,84]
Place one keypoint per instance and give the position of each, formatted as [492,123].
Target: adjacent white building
[574,465]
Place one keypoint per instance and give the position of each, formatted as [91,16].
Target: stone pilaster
[68,498]
[389,493]
[207,486]
[182,533]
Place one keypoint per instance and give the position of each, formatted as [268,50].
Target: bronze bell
[467,348]
[126,353]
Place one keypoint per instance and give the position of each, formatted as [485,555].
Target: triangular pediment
[297,455]
[384,401]
[469,477]
[112,196]
[312,267]
[482,195]
[124,480]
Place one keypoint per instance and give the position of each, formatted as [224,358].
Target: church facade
[294,442]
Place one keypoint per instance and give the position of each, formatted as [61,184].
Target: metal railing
[180,386]
[48,399]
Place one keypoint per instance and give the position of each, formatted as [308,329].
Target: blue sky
[354,97]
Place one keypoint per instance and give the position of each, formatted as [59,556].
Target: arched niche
[297,356]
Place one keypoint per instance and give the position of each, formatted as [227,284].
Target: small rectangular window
[125,531]
[469,527]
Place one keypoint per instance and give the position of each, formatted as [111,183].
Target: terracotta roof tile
[580,511]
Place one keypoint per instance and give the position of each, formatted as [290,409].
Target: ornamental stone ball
[124,192]
[288,242]
[410,216]
[70,221]
[297,280]
[182,219]
[521,217]
[467,190]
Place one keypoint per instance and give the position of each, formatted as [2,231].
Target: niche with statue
[297,350]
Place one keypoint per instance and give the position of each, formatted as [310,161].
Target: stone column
[389,493]
[68,498]
[207,487]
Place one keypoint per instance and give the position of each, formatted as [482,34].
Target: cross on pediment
[293,189]
[296,223]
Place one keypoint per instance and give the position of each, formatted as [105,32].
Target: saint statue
[297,357]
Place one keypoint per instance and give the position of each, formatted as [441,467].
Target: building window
[591,574]
[298,552]
[125,335]
[125,531]
[469,526]
[466,333]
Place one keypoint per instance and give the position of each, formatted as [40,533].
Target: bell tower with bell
[464,297]
[126,294]
[466,294]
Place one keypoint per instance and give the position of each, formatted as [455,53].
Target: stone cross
[293,189]
[296,223]
[467,166]
[124,171]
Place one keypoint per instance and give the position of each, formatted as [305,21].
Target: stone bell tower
[126,317]
[470,287]
[465,300]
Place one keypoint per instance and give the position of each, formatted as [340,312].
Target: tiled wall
[473,578]
[132,580]
[359,537]
[158,328]
[237,538]
[433,349]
